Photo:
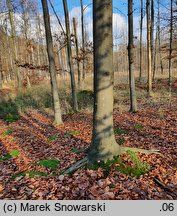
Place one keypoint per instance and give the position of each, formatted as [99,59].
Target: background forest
[88,99]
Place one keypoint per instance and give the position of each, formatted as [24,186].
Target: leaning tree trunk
[13,45]
[133,103]
[69,52]
[83,39]
[149,47]
[52,70]
[103,145]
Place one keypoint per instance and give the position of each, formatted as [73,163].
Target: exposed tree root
[165,188]
[151,151]
[85,160]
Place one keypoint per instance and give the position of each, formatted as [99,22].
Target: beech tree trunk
[83,39]
[103,146]
[149,56]
[13,45]
[159,38]
[152,33]
[171,40]
[133,102]
[69,52]
[52,69]
[141,36]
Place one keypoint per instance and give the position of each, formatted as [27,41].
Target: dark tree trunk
[103,145]
[133,103]
[171,40]
[52,69]
[69,52]
[149,89]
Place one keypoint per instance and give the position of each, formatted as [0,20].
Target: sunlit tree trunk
[52,70]
[133,103]
[103,145]
[13,45]
[159,38]
[149,57]
[69,52]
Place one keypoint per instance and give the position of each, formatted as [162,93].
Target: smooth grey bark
[103,146]
[13,45]
[155,54]
[149,57]
[133,102]
[69,52]
[83,39]
[152,33]
[77,51]
[52,70]
[171,40]
[141,37]
[159,38]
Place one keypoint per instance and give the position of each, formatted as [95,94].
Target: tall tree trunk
[133,102]
[152,33]
[13,45]
[141,36]
[83,39]
[159,38]
[103,145]
[149,48]
[155,54]
[171,40]
[69,52]
[77,52]
[52,69]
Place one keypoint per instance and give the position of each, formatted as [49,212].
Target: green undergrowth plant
[7,132]
[137,168]
[8,156]
[49,164]
[52,138]
[119,131]
[30,174]
[138,126]
[72,133]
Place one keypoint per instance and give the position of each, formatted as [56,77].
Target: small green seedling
[138,126]
[8,156]
[119,131]
[72,133]
[7,132]
[121,141]
[52,138]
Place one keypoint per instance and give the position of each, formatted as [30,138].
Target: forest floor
[34,153]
